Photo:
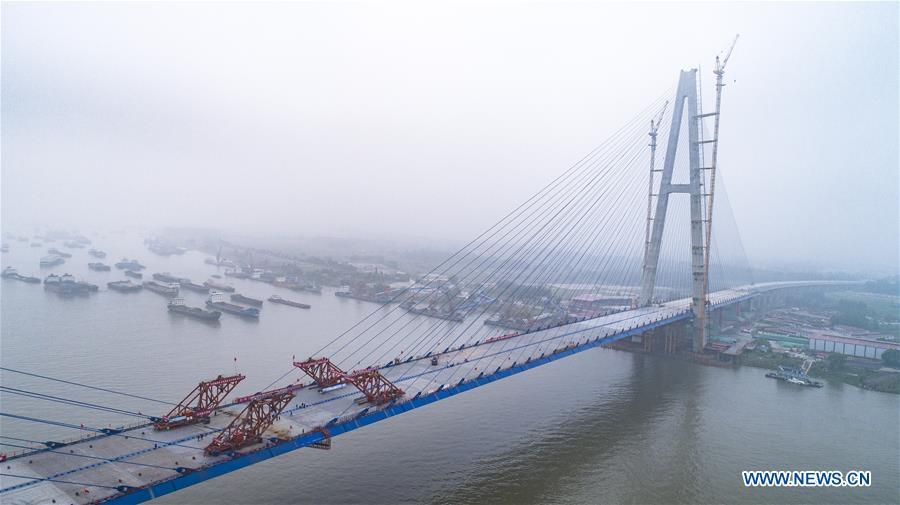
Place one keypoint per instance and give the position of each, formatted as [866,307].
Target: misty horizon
[276,124]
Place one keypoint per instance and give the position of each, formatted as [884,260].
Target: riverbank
[861,377]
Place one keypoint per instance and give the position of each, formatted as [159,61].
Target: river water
[598,427]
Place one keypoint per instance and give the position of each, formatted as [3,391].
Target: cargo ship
[67,285]
[285,301]
[99,267]
[132,273]
[57,252]
[124,286]
[52,260]
[218,286]
[162,288]
[199,288]
[177,305]
[12,273]
[127,264]
[167,277]
[217,301]
[97,253]
[246,299]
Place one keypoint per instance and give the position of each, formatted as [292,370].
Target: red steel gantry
[248,427]
[376,387]
[322,370]
[198,404]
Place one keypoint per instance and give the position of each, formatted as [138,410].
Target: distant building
[851,346]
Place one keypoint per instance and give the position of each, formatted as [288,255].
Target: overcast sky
[403,119]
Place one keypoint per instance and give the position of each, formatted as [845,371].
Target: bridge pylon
[686,107]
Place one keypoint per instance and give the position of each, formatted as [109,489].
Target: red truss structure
[198,405]
[377,389]
[248,427]
[322,370]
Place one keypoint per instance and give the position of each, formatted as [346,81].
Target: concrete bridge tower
[686,107]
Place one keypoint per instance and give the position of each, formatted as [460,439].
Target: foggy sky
[376,119]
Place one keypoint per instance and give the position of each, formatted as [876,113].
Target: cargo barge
[127,264]
[190,286]
[99,267]
[124,286]
[237,297]
[167,277]
[97,253]
[382,299]
[12,273]
[133,274]
[162,288]
[58,253]
[52,260]
[218,286]
[67,285]
[285,301]
[217,301]
[177,305]
[794,376]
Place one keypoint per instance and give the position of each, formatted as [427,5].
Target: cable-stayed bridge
[607,251]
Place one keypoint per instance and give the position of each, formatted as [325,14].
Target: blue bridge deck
[138,464]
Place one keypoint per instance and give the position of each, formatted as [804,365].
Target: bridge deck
[157,462]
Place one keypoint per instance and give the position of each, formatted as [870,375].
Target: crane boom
[720,67]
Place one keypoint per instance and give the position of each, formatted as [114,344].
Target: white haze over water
[403,119]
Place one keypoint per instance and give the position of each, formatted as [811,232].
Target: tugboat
[285,301]
[246,299]
[199,288]
[99,267]
[57,252]
[217,301]
[12,273]
[52,260]
[97,253]
[124,286]
[132,273]
[219,286]
[162,288]
[177,305]
[127,264]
